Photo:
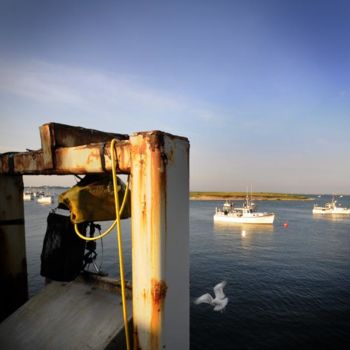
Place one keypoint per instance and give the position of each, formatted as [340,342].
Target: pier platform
[83,314]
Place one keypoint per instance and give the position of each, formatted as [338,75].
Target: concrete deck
[74,315]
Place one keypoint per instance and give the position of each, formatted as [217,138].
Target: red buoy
[285,224]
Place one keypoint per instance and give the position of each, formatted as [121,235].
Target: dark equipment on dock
[63,251]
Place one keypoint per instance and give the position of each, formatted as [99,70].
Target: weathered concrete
[75,315]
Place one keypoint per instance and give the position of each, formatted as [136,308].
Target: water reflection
[331,217]
[244,229]
[247,234]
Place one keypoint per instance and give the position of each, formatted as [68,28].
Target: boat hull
[27,197]
[245,219]
[336,211]
[45,200]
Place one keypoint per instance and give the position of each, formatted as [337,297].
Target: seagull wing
[205,298]
[220,304]
[219,290]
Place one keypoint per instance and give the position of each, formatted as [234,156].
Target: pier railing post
[160,240]
[13,263]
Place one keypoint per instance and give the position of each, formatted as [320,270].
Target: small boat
[45,199]
[28,196]
[330,208]
[247,214]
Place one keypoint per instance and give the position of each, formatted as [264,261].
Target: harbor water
[288,287]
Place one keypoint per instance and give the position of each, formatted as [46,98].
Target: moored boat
[330,208]
[28,196]
[45,199]
[247,214]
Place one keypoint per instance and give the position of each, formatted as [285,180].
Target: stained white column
[160,240]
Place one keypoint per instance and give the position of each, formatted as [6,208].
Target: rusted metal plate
[55,135]
[61,135]
[47,146]
[92,158]
[29,162]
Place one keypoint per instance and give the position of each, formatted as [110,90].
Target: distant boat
[330,208]
[45,199]
[28,196]
[247,214]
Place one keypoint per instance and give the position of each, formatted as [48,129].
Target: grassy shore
[242,195]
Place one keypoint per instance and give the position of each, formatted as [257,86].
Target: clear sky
[260,87]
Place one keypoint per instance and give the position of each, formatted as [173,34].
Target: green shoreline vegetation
[203,195]
[242,196]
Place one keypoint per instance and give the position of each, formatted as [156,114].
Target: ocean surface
[288,288]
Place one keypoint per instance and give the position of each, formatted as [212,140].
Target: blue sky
[261,88]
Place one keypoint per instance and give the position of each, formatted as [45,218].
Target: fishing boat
[247,214]
[45,199]
[28,196]
[330,208]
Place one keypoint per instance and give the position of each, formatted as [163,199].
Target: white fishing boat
[330,208]
[28,196]
[45,199]
[247,214]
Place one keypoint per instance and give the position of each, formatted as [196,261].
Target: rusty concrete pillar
[160,240]
[13,265]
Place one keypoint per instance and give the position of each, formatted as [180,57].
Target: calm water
[288,288]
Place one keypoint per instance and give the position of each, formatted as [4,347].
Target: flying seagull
[219,302]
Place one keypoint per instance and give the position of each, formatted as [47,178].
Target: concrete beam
[55,135]
[91,158]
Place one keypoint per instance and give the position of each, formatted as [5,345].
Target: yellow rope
[120,247]
[118,213]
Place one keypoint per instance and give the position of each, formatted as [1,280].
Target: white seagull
[219,302]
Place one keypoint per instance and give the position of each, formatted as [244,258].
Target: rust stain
[156,140]
[158,292]
[47,145]
[144,294]
[31,162]
[170,156]
[136,339]
[93,157]
[68,160]
[70,136]
[5,163]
